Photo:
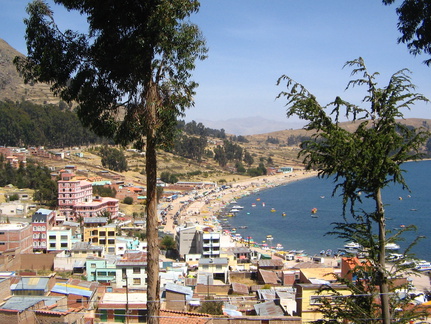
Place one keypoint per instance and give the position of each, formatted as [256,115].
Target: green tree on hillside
[366,160]
[113,159]
[130,75]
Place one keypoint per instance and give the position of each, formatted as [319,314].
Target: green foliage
[239,139]
[190,147]
[256,172]
[248,158]
[113,159]
[272,140]
[239,167]
[104,191]
[193,128]
[33,176]
[128,200]
[168,243]
[30,124]
[365,161]
[13,197]
[211,307]
[130,73]
[414,25]
[168,177]
[227,153]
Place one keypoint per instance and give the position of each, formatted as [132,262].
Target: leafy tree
[211,307]
[128,200]
[248,158]
[415,25]
[239,167]
[130,75]
[113,159]
[365,160]
[168,177]
[104,191]
[13,197]
[168,243]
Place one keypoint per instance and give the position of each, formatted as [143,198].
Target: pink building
[75,199]
[42,221]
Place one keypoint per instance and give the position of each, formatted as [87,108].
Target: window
[2,243]
[136,270]
[1,233]
[63,237]
[52,237]
[93,265]
[136,281]
[315,300]
[52,245]
[111,242]
[63,245]
[111,233]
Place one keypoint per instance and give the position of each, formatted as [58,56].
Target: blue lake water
[299,231]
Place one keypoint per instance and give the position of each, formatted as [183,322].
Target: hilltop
[12,86]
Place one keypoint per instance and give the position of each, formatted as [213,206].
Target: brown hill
[12,86]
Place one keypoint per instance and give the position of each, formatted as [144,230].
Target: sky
[254,42]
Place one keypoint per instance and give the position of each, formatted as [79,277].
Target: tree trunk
[383,280]
[153,285]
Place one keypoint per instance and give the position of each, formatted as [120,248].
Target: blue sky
[253,42]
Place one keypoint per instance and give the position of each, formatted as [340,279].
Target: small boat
[257,199]
[242,227]
[423,265]
[253,205]
[263,204]
[273,210]
[269,237]
[314,210]
[283,214]
[328,252]
[392,246]
[322,252]
[237,207]
[279,247]
[352,246]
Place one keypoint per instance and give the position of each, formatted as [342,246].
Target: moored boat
[392,246]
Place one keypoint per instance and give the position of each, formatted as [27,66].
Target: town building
[16,237]
[42,221]
[75,200]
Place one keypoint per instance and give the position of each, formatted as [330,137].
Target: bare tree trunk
[153,286]
[383,279]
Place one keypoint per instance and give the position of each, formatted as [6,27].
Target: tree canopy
[415,26]
[365,160]
[130,74]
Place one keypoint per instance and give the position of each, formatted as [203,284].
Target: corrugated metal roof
[268,309]
[269,277]
[239,288]
[31,283]
[21,303]
[179,289]
[63,288]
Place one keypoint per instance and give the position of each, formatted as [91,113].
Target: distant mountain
[12,85]
[249,125]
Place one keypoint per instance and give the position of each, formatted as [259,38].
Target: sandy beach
[201,210]
[204,209]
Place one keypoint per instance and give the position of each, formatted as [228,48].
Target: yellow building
[307,299]
[101,236]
